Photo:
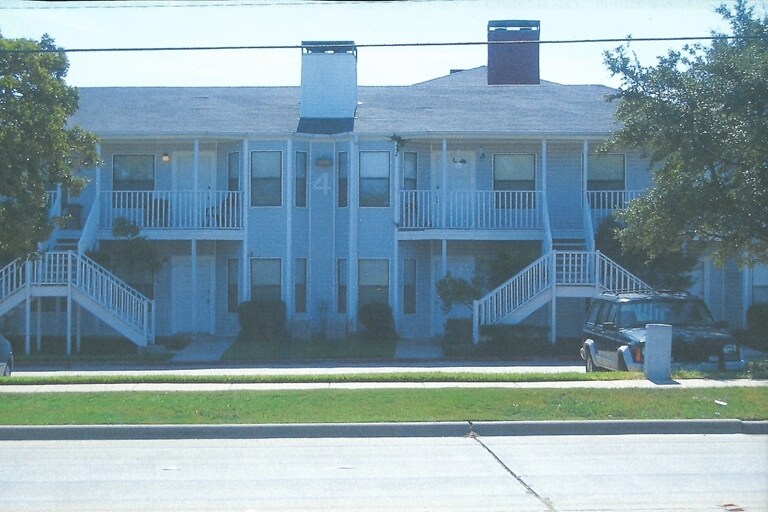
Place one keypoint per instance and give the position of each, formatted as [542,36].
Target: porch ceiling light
[324,161]
[166,157]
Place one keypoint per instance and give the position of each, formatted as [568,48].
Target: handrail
[512,294]
[94,281]
[173,209]
[470,209]
[547,246]
[571,268]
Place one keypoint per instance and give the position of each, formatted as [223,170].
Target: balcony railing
[604,202]
[173,209]
[470,209]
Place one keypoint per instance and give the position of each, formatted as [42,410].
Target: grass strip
[435,376]
[381,405]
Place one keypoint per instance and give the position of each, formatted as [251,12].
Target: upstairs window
[410,170]
[342,178]
[301,179]
[513,171]
[133,172]
[266,178]
[374,179]
[233,172]
[605,172]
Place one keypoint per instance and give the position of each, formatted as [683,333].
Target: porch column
[547,245]
[196,184]
[352,204]
[28,307]
[193,278]
[443,182]
[245,187]
[443,258]
[396,245]
[585,172]
[289,203]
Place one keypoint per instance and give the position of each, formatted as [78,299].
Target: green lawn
[381,405]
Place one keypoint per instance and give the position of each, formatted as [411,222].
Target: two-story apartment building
[330,195]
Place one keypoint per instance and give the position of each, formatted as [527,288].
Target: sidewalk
[206,387]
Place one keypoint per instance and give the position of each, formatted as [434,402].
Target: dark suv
[614,332]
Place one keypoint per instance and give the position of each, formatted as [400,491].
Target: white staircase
[556,274]
[79,278]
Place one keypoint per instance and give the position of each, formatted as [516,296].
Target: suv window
[594,309]
[607,313]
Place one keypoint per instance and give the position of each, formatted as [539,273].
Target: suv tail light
[637,354]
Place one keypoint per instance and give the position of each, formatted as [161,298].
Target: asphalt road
[533,473]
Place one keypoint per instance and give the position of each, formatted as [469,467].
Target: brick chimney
[514,62]
[328,80]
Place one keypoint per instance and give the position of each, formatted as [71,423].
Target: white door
[190,209]
[192,311]
[459,195]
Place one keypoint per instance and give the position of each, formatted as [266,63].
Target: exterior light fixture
[324,161]
[166,157]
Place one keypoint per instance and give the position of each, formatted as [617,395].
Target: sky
[188,23]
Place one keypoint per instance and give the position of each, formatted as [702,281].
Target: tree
[702,115]
[37,148]
[667,271]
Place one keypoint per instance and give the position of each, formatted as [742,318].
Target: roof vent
[513,52]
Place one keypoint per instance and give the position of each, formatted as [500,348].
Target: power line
[377,45]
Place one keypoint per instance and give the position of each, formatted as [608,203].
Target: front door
[459,183]
[192,310]
[190,209]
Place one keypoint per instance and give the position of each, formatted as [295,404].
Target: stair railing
[512,294]
[12,279]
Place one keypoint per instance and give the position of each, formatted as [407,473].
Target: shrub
[457,340]
[261,320]
[376,318]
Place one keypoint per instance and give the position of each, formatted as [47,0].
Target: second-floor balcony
[604,202]
[173,210]
[470,210]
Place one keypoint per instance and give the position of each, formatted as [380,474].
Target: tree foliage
[37,148]
[667,271]
[702,115]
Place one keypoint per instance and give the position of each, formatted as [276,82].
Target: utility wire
[373,45]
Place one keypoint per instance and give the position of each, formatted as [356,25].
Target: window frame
[497,182]
[410,183]
[300,191]
[269,201]
[342,179]
[369,198]
[267,288]
[606,184]
[376,292]
[139,184]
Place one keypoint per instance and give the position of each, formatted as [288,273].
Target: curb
[383,430]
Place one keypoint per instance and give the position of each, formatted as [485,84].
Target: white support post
[39,319]
[396,285]
[553,299]
[289,177]
[78,329]
[584,171]
[245,187]
[28,308]
[196,207]
[443,182]
[352,205]
[193,278]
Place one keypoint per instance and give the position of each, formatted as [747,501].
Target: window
[133,172]
[266,178]
[341,288]
[374,178]
[342,173]
[233,172]
[265,279]
[606,172]
[410,170]
[300,286]
[760,284]
[301,179]
[409,286]
[373,281]
[233,291]
[514,172]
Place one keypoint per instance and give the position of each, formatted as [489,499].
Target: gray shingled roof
[460,102]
